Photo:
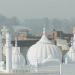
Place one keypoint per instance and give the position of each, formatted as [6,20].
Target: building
[22,34]
[43,57]
[59,35]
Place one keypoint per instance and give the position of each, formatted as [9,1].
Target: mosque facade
[40,55]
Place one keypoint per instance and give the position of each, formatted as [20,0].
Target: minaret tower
[17,49]
[15,54]
[73,39]
[70,56]
[0,47]
[8,52]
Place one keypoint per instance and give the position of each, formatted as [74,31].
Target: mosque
[40,57]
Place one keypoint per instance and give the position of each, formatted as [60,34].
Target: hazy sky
[38,8]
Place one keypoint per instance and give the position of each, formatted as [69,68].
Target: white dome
[42,50]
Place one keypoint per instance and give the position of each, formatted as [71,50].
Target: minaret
[8,52]
[14,55]
[15,41]
[73,39]
[0,47]
[17,49]
[70,56]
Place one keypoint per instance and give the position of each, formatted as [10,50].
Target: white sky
[24,9]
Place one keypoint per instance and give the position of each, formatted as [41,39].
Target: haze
[24,9]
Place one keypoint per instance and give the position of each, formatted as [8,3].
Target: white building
[63,44]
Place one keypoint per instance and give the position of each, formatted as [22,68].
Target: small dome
[70,55]
[42,50]
[18,61]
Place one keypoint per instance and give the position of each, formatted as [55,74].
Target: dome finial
[44,30]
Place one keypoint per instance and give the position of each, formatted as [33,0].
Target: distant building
[73,29]
[56,34]
[63,44]
[23,34]
[59,35]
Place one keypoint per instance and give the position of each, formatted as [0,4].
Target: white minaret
[70,56]
[4,30]
[73,43]
[0,47]
[8,52]
[14,55]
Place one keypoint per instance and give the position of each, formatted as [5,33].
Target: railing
[40,70]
